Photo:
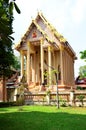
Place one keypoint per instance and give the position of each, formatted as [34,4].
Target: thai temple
[45,53]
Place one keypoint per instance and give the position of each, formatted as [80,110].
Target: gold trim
[61,47]
[28,43]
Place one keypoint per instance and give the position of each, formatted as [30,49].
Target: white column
[15,93]
[49,63]
[54,65]
[42,61]
[28,62]
[25,65]
[61,62]
[54,60]
[33,68]
[22,63]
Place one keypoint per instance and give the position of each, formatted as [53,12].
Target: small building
[12,85]
[80,83]
[43,50]
[8,93]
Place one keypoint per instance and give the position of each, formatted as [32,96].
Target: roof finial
[40,12]
[32,18]
[37,10]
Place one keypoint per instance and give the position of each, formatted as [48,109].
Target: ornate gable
[34,34]
[41,28]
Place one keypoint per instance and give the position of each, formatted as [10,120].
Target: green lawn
[42,118]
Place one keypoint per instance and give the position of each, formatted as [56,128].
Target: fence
[65,98]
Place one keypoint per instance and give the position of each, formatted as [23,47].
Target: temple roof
[55,34]
[54,31]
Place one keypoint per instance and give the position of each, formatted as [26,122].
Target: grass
[42,118]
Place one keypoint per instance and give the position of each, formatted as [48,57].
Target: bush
[81,97]
[63,102]
[20,101]
[7,104]
[79,88]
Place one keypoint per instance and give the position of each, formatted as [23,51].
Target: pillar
[22,63]
[66,68]
[28,62]
[33,67]
[61,62]
[42,62]
[54,64]
[54,59]
[25,65]
[49,63]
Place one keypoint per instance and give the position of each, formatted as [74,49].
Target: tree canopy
[17,63]
[83,55]
[82,71]
[6,40]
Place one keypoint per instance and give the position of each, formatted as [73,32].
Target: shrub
[81,97]
[7,104]
[63,102]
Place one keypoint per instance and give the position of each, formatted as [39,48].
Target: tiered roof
[55,33]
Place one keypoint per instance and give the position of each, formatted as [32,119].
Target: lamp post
[57,94]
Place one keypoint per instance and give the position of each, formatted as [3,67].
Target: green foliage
[63,102]
[6,41]
[16,64]
[13,5]
[48,92]
[81,97]
[7,104]
[79,88]
[83,55]
[16,8]
[82,71]
[20,101]
[50,76]
[42,118]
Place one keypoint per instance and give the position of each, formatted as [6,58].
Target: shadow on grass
[42,121]
[3,109]
[7,109]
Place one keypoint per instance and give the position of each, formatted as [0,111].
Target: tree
[17,63]
[82,71]
[81,97]
[6,41]
[83,55]
[55,73]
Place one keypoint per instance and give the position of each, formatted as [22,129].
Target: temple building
[43,50]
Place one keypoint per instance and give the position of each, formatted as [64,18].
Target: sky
[67,16]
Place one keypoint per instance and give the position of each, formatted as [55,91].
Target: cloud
[78,11]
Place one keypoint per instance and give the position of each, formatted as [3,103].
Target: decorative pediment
[34,34]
